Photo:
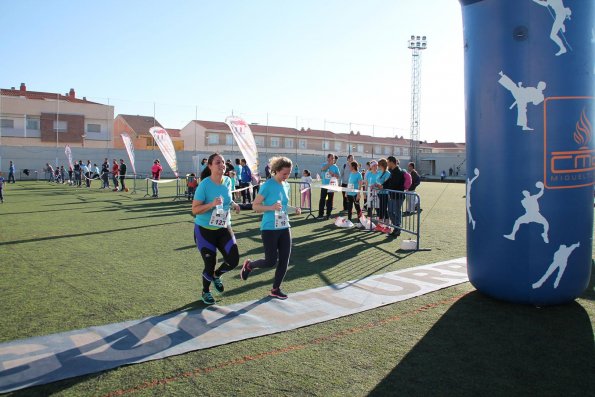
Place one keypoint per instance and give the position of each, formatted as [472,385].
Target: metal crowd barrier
[397,209]
[303,201]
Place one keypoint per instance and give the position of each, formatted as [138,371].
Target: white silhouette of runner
[560,15]
[532,214]
[560,261]
[468,197]
[522,96]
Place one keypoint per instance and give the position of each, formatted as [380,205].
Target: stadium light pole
[416,45]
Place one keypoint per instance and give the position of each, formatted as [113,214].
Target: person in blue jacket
[273,202]
[212,206]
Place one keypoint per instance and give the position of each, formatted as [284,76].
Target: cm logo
[569,154]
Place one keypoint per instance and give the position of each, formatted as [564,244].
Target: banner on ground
[245,140]
[68,154]
[130,149]
[166,146]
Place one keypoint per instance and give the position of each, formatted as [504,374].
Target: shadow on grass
[33,240]
[484,347]
[126,346]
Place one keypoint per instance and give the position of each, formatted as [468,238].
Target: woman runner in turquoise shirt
[272,201]
[212,225]
[372,193]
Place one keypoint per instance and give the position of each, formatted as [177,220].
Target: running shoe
[245,272]
[277,293]
[218,285]
[207,298]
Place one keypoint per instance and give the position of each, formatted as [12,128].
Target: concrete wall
[35,158]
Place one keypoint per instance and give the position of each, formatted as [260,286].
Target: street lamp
[416,44]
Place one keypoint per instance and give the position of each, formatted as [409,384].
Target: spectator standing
[296,171]
[88,169]
[395,182]
[156,174]
[123,176]
[329,171]
[115,174]
[412,204]
[11,171]
[267,171]
[345,171]
[1,189]
[306,190]
[78,170]
[50,170]
[105,174]
[245,179]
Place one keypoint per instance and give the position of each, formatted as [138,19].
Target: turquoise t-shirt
[372,178]
[354,179]
[207,191]
[326,175]
[273,191]
[381,178]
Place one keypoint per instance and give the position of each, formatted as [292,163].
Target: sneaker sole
[278,297]
[246,262]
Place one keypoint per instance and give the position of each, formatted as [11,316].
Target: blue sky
[300,62]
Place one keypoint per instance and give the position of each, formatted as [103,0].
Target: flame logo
[582,133]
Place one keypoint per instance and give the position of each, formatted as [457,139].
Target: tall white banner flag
[68,154]
[166,146]
[245,140]
[130,149]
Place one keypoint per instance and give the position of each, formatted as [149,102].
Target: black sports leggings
[277,249]
[208,241]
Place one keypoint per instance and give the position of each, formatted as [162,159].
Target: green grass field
[73,258]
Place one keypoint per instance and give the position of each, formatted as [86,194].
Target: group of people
[89,172]
[379,184]
[212,206]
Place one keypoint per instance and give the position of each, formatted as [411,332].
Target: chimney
[71,93]
[23,87]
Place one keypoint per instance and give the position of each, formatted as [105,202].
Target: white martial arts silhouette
[560,15]
[522,96]
[532,214]
[468,197]
[560,261]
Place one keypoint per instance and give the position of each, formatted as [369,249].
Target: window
[326,145]
[303,144]
[259,140]
[229,139]
[360,148]
[6,123]
[397,151]
[405,151]
[32,124]
[288,143]
[386,150]
[60,125]
[377,149]
[93,127]
[213,139]
[337,146]
[274,142]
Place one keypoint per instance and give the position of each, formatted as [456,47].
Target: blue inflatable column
[529,86]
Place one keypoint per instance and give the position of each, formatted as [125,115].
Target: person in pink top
[156,171]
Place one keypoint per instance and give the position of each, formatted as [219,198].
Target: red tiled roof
[43,96]
[173,132]
[141,124]
[447,145]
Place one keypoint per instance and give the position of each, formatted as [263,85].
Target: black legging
[122,178]
[208,241]
[351,200]
[329,203]
[277,249]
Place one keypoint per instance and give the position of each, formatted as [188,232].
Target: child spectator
[305,188]
[192,185]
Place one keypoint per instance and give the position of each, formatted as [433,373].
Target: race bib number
[281,220]
[350,187]
[328,175]
[219,220]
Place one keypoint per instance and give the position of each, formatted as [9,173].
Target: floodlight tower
[416,45]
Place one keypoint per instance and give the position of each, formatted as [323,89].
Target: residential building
[34,118]
[137,127]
